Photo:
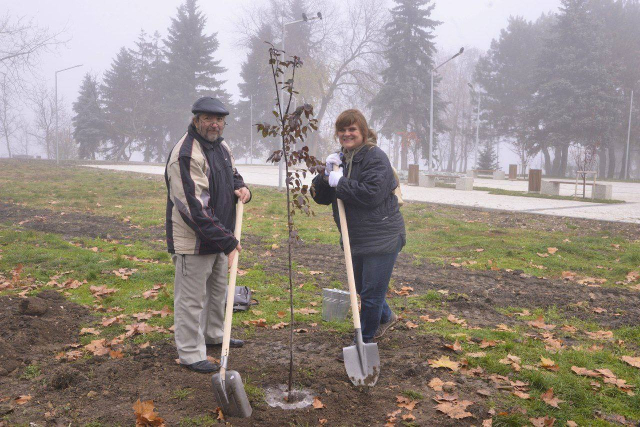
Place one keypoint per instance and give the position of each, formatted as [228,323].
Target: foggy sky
[98,29]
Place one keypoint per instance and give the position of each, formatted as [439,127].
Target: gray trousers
[199,298]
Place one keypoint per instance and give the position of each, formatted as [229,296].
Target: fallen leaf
[548,364]
[436,384]
[408,417]
[426,318]
[405,402]
[258,323]
[491,343]
[444,362]
[476,354]
[145,414]
[92,331]
[584,372]
[411,325]
[455,346]
[306,311]
[539,323]
[633,361]
[545,421]
[21,400]
[600,335]
[453,319]
[521,394]
[552,250]
[313,273]
[301,331]
[116,354]
[281,314]
[280,325]
[548,398]
[456,410]
[317,404]
[99,291]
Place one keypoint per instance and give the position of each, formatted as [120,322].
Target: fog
[92,34]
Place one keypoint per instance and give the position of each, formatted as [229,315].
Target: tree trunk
[404,153]
[563,161]
[6,137]
[612,162]
[452,151]
[547,160]
[602,162]
[396,153]
[555,168]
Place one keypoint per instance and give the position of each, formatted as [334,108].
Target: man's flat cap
[209,105]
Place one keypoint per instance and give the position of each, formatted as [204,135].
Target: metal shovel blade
[362,362]
[230,395]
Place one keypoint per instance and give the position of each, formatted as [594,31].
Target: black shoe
[384,327]
[233,343]
[203,367]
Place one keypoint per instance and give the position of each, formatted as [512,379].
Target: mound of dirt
[37,326]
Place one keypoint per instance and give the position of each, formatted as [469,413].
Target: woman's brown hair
[353,116]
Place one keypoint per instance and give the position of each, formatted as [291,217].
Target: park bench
[599,191]
[496,174]
[464,183]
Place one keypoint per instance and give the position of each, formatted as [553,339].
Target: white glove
[334,177]
[332,159]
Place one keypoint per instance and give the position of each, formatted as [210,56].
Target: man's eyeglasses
[213,120]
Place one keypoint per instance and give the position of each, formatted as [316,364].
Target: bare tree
[523,149]
[42,103]
[455,91]
[584,157]
[21,43]
[341,56]
[9,110]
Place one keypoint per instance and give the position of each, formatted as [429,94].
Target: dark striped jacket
[201,204]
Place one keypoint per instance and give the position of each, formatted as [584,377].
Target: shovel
[362,361]
[227,385]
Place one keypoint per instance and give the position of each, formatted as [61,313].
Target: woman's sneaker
[385,326]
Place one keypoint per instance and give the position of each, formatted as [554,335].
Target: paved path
[627,212]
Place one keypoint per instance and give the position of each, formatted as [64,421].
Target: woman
[365,183]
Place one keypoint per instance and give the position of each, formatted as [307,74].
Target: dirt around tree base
[103,390]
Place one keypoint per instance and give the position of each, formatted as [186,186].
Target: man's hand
[243,194]
[234,254]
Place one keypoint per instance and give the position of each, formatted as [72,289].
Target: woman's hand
[334,177]
[332,159]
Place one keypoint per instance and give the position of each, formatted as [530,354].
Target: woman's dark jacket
[373,215]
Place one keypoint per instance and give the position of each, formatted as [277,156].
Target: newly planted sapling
[292,128]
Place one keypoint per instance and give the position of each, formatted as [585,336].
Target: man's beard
[209,134]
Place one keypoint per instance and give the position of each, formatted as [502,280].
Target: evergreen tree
[257,89]
[120,93]
[488,160]
[191,70]
[149,74]
[88,120]
[401,104]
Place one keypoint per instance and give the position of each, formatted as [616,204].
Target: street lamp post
[56,103]
[251,129]
[475,154]
[305,18]
[433,71]
[626,168]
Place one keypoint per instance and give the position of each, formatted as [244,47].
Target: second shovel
[361,360]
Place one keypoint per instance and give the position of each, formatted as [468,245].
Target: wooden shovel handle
[231,290]
[347,260]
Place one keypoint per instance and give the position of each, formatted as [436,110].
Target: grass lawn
[129,257]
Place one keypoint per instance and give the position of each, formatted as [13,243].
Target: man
[202,189]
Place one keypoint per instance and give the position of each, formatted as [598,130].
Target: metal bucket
[335,304]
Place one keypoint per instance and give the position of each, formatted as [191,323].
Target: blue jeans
[372,274]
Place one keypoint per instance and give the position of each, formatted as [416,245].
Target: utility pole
[56,95]
[433,71]
[626,168]
[305,18]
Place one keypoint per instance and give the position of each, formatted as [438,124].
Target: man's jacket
[201,204]
[374,220]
